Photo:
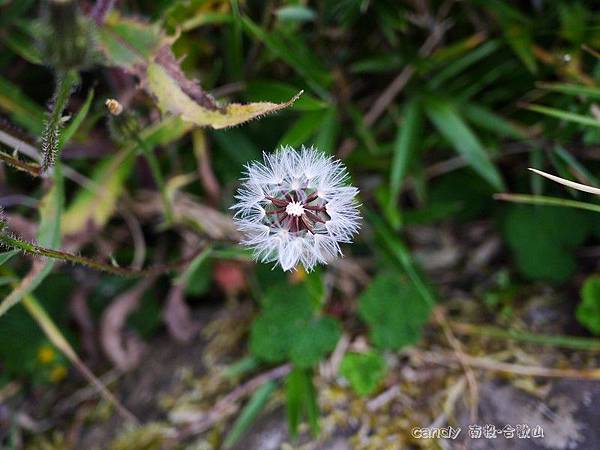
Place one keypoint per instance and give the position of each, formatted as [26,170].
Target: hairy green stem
[13,242]
[65,83]
[31,168]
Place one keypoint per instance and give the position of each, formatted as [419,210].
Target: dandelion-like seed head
[296,208]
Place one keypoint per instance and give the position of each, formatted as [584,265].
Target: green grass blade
[520,39]
[590,92]
[405,147]
[543,200]
[401,253]
[74,125]
[564,115]
[302,130]
[458,66]
[328,132]
[21,108]
[20,41]
[234,53]
[488,120]
[184,278]
[5,256]
[294,393]
[364,132]
[575,165]
[306,66]
[55,336]
[451,125]
[249,414]
[311,403]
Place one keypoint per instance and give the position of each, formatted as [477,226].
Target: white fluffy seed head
[295,207]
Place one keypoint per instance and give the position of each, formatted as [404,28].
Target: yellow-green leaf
[172,99]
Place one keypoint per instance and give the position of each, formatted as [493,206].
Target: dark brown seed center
[296,211]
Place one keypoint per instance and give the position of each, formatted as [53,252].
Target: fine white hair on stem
[296,207]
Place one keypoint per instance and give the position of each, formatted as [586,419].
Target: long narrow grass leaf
[579,90]
[74,124]
[575,165]
[550,201]
[405,146]
[5,256]
[55,336]
[565,115]
[455,67]
[488,120]
[249,414]
[451,125]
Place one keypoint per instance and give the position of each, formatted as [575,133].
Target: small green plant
[588,311]
[364,371]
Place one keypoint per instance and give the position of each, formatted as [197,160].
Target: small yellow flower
[298,276]
[46,354]
[58,373]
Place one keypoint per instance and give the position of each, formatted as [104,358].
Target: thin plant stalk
[13,242]
[154,169]
[550,201]
[158,178]
[573,342]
